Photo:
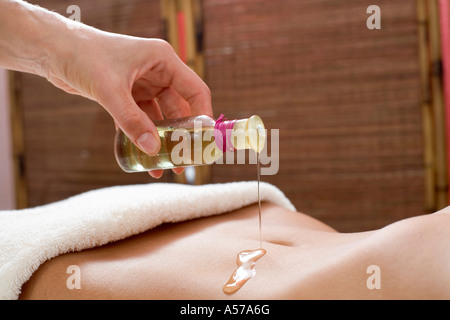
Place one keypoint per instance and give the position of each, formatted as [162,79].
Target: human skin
[136,80]
[305,259]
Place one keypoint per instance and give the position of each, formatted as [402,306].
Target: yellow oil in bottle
[190,141]
[179,148]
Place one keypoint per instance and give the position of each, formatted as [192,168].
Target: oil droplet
[246,261]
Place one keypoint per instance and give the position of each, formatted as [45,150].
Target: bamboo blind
[346,100]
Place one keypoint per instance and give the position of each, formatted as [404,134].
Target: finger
[192,88]
[133,121]
[156,173]
[144,90]
[178,170]
[151,109]
[172,104]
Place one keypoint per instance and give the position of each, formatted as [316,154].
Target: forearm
[30,36]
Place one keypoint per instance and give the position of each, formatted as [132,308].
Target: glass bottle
[190,141]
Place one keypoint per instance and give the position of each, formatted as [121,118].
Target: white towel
[29,237]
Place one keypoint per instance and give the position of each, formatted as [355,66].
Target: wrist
[31,38]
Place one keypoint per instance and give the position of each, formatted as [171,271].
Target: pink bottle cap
[222,133]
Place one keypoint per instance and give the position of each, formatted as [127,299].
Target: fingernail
[178,170]
[156,173]
[148,143]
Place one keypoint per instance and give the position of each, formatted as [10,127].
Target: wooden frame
[433,107]
[18,144]
[183,26]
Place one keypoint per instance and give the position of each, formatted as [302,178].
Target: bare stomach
[305,259]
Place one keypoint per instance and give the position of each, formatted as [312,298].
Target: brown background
[345,99]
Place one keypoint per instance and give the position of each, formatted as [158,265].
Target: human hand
[136,80]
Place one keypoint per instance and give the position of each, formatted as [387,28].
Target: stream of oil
[246,260]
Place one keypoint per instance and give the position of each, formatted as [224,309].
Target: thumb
[135,123]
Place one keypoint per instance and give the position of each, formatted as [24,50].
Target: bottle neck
[231,135]
[223,130]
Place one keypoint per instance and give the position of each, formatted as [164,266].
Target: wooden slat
[429,156]
[194,58]
[345,99]
[18,144]
[437,99]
